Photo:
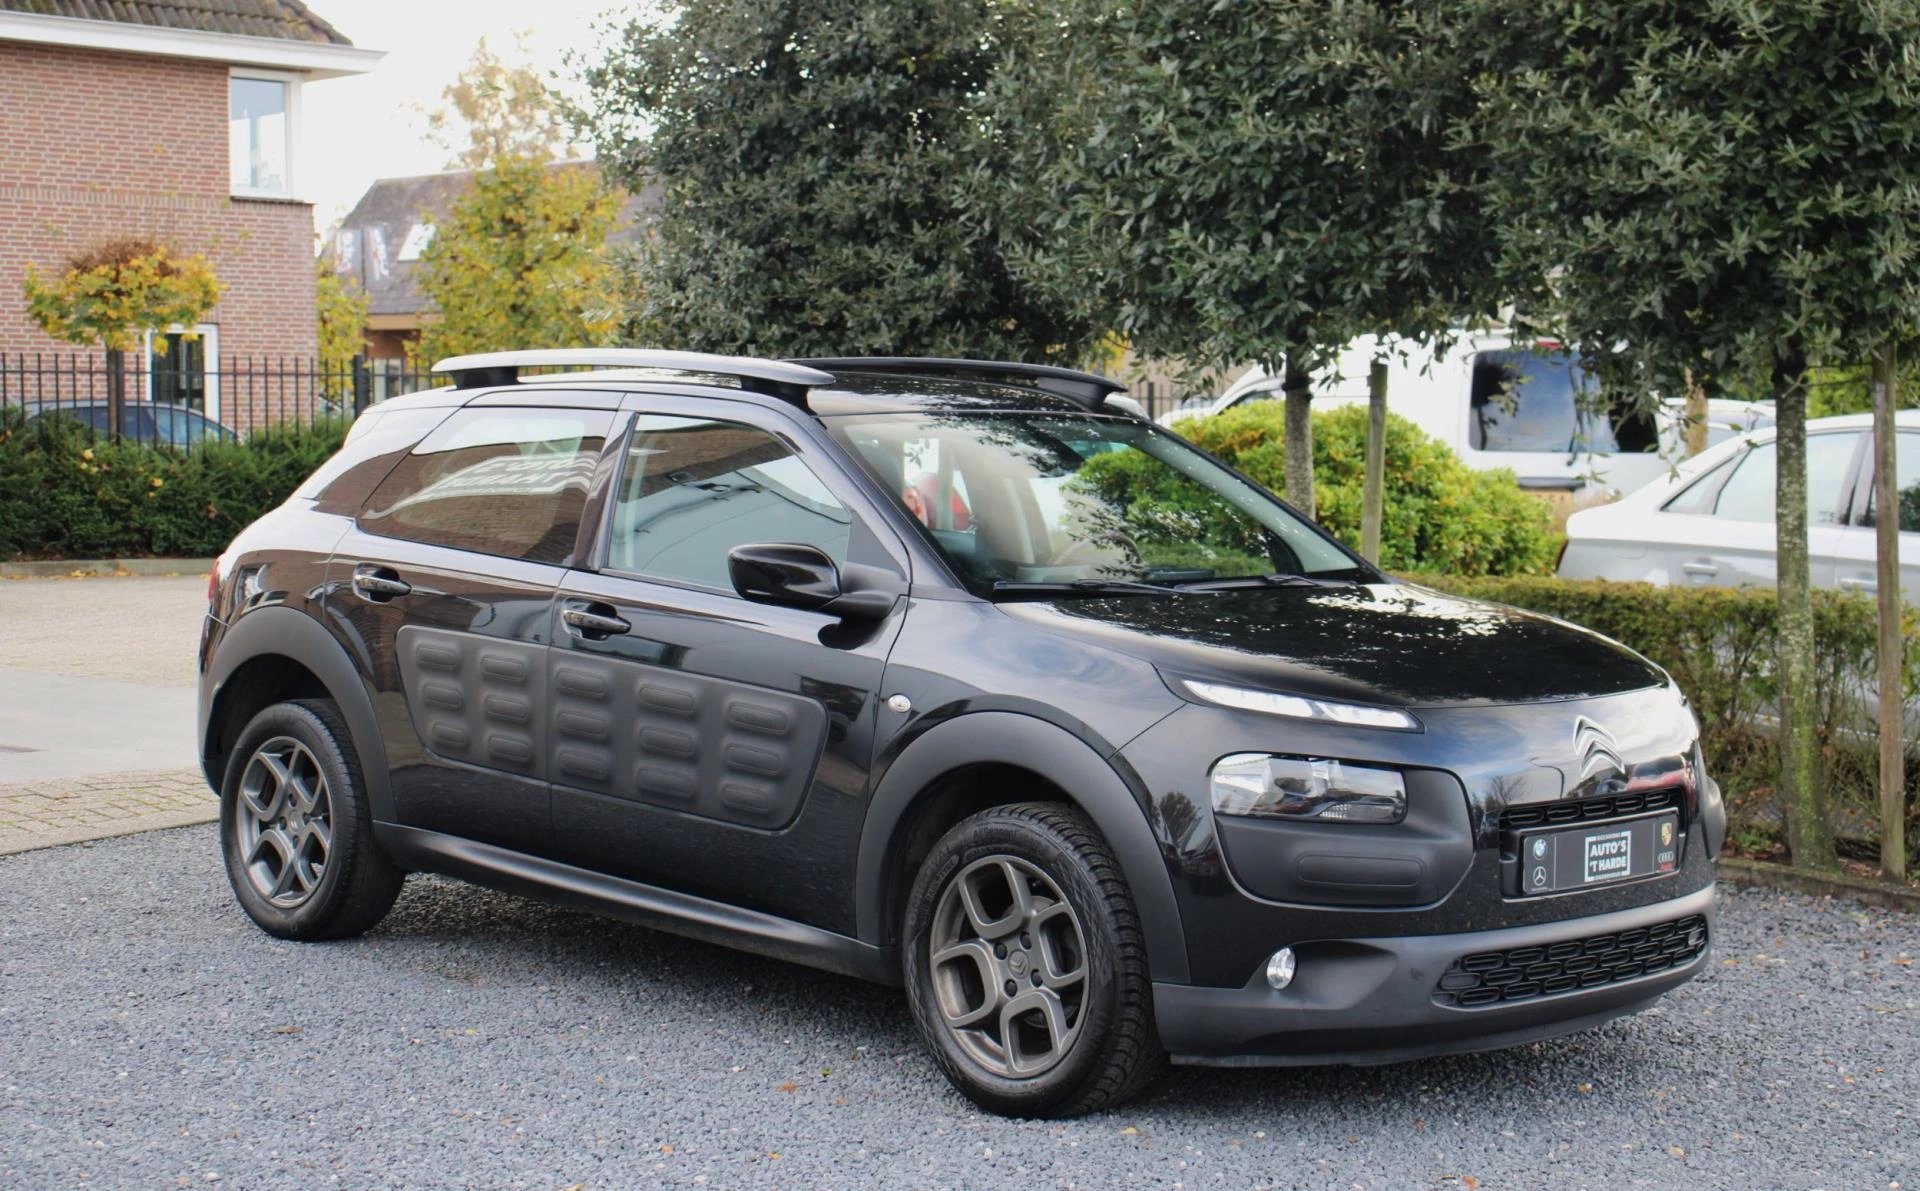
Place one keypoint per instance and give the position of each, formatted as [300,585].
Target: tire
[295,829]
[999,1050]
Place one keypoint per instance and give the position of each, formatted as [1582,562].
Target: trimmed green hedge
[1718,643]
[65,492]
[1440,514]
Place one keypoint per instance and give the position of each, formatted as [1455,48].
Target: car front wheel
[1025,965]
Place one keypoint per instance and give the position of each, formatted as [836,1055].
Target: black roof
[881,393]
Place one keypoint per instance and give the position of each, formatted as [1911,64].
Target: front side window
[507,482]
[1906,479]
[260,135]
[1748,494]
[694,488]
[1055,498]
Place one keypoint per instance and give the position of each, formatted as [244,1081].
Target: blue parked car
[145,421]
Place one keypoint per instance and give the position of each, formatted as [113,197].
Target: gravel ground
[150,1037]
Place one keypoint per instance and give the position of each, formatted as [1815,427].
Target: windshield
[1012,498]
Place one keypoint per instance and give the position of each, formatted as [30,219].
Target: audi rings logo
[1596,748]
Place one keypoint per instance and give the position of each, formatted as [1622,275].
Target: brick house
[177,120]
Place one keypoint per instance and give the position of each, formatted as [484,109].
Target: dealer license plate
[1582,857]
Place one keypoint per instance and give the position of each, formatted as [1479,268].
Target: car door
[1856,568]
[701,741]
[1720,532]
[444,587]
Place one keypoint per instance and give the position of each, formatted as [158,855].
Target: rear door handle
[1705,570]
[379,584]
[593,621]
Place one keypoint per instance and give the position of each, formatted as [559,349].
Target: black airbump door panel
[476,699]
[706,746]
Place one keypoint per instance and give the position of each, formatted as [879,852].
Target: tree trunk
[116,392]
[1801,804]
[1892,647]
[1299,462]
[1373,492]
[1696,415]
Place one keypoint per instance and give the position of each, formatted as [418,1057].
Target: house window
[260,135]
[418,237]
[180,368]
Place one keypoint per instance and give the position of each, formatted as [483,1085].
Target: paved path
[150,1036]
[42,814]
[96,708]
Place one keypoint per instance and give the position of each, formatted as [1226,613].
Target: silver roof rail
[776,378]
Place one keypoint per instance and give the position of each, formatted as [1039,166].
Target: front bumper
[1372,1000]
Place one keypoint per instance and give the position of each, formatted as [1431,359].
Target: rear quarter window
[379,439]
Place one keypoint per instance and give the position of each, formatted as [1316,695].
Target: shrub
[1440,515]
[1718,643]
[66,492]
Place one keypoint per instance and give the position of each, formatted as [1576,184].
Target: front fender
[290,633]
[1108,792]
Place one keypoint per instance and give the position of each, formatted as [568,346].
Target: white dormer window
[262,116]
[418,237]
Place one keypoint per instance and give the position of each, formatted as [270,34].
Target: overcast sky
[373,125]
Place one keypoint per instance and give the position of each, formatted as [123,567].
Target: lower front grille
[1571,965]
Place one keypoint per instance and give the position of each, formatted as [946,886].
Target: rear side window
[695,488]
[1539,401]
[503,481]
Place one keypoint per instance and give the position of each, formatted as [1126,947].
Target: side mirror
[796,576]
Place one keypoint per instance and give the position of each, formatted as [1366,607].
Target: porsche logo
[1596,749]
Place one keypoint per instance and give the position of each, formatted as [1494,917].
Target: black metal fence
[158,401]
[169,401]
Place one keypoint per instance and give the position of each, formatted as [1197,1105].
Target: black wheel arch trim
[290,633]
[1116,805]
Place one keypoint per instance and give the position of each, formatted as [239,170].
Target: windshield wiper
[1277,580]
[1090,586]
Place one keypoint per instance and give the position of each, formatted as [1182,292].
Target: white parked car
[1713,523]
[1499,404]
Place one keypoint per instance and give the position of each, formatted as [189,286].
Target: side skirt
[648,905]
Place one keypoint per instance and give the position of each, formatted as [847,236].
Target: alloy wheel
[284,828]
[1008,959]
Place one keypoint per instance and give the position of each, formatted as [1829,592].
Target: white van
[1499,404]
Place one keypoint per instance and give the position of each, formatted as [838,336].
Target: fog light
[1280,968]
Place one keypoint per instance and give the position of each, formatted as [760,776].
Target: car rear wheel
[295,829]
[1025,965]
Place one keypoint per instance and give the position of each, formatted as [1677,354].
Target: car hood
[1390,644]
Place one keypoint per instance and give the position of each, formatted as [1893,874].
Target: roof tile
[288,20]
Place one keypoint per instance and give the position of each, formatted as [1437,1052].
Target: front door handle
[379,584]
[593,621]
[1701,570]
[1866,585]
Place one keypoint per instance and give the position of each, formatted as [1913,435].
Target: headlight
[1301,708]
[1307,788]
